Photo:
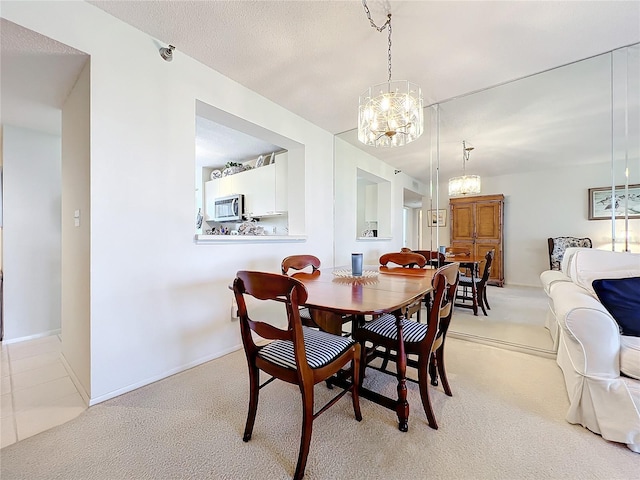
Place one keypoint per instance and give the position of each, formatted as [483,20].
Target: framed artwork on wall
[601,202]
[437,217]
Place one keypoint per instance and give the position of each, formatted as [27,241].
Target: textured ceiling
[316,57]
[37,75]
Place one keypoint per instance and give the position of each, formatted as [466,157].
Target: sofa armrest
[549,277]
[591,336]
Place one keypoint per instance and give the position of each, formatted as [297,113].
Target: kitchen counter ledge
[201,239]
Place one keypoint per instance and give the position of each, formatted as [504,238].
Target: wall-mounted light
[167,52]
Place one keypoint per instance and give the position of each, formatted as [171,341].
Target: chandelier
[390,114]
[466,184]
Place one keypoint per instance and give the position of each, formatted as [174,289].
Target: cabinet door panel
[488,220]
[496,266]
[210,194]
[258,187]
[462,220]
[282,182]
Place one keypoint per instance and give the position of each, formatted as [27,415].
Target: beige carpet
[505,421]
[516,318]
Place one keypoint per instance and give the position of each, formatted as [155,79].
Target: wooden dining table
[388,290]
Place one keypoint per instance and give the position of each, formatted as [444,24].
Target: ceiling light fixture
[167,52]
[466,184]
[390,114]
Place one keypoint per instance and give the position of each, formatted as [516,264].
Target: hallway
[36,391]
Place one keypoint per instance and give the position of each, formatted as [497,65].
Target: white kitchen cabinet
[282,182]
[258,187]
[265,189]
[219,187]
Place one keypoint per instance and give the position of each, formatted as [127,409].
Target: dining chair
[466,283]
[298,263]
[406,260]
[296,354]
[558,245]
[434,258]
[426,340]
[458,250]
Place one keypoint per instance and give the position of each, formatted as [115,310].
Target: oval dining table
[380,290]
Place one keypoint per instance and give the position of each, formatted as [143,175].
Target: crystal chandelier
[466,184]
[390,114]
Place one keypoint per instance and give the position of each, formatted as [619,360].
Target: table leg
[402,408]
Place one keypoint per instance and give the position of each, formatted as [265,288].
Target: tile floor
[36,391]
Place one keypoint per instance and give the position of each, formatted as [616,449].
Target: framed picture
[437,217]
[601,202]
[260,161]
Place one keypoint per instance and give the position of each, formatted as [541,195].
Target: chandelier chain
[380,29]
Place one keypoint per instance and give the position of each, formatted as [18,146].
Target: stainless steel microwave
[229,208]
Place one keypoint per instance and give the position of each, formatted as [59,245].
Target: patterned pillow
[560,244]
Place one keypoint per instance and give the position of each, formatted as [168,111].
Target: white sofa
[548,279]
[601,367]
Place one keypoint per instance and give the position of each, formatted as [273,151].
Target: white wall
[159,303]
[31,233]
[544,204]
[348,159]
[76,236]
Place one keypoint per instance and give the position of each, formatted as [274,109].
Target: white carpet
[505,421]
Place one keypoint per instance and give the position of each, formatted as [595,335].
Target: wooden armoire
[477,224]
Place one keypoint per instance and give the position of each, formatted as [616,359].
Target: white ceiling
[37,74]
[316,57]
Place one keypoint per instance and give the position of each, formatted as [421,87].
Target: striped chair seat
[305,314]
[385,325]
[321,348]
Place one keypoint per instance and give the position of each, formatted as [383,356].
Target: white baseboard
[83,393]
[32,337]
[173,371]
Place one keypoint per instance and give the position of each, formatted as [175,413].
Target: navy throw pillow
[621,297]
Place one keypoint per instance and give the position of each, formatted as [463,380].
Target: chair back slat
[270,286]
[268,331]
[445,284]
[298,262]
[488,261]
[459,250]
[404,259]
[431,255]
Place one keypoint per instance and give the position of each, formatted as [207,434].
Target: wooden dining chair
[406,260]
[296,354]
[308,316]
[406,337]
[297,263]
[478,295]
[434,258]
[459,250]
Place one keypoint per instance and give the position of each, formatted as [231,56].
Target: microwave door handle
[234,207]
